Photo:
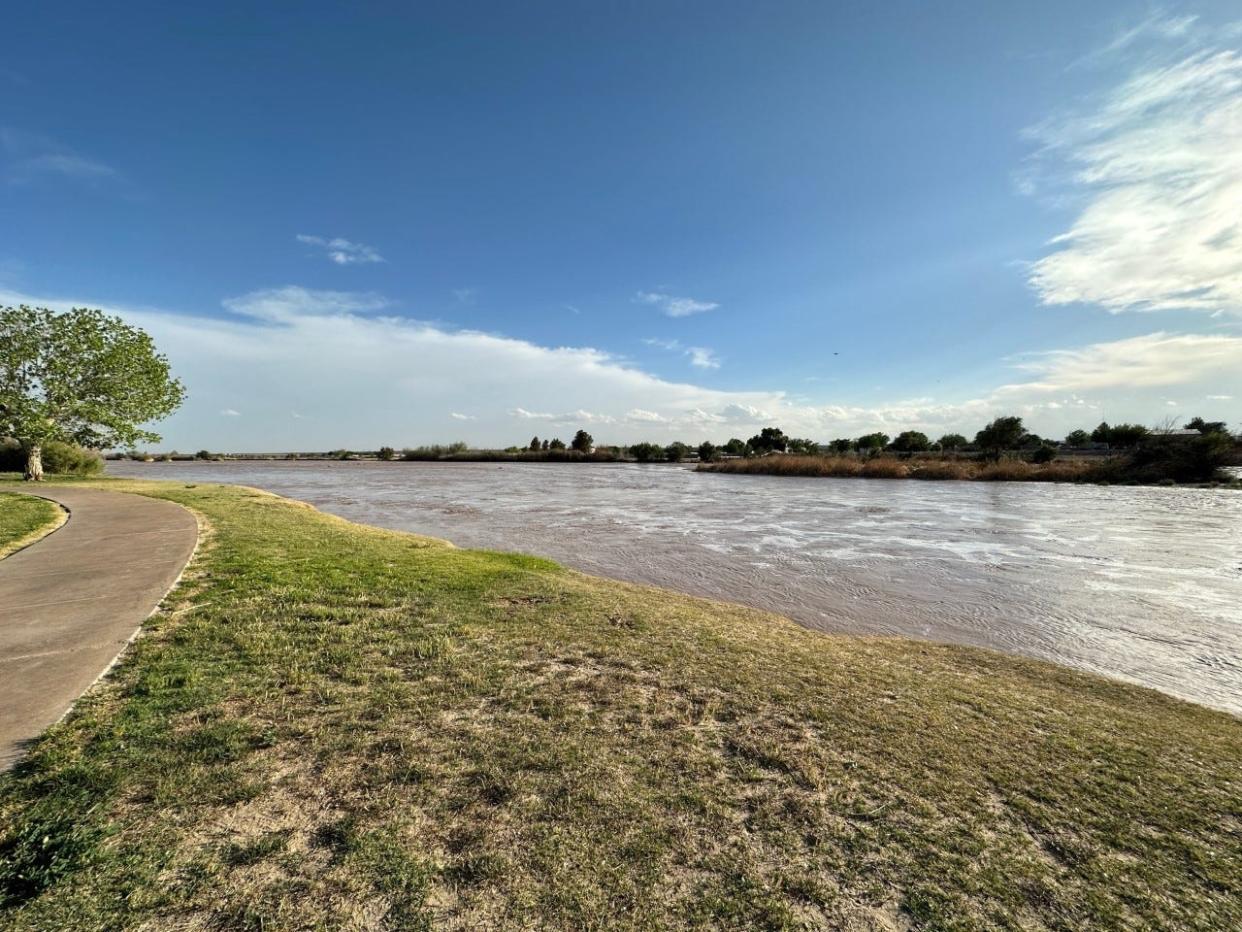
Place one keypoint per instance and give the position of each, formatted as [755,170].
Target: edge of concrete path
[62,520]
[137,632]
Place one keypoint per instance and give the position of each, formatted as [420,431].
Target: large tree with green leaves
[1004,433]
[80,377]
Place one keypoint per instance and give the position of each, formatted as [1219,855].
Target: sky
[350,225]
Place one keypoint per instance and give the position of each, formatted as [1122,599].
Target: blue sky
[401,223]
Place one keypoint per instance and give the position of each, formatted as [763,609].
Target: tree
[647,452]
[556,443]
[546,442]
[841,445]
[386,453]
[707,451]
[871,443]
[802,445]
[951,442]
[911,441]
[1004,433]
[534,444]
[735,447]
[583,442]
[1205,427]
[79,377]
[769,440]
[1127,435]
[1077,438]
[676,451]
[1101,433]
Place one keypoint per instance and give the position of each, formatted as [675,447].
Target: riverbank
[1098,470]
[337,725]
[25,519]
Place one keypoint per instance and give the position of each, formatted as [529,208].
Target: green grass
[24,519]
[335,726]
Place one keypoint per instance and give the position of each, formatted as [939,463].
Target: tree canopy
[911,441]
[1004,433]
[872,443]
[81,376]
[1205,427]
[583,442]
[769,440]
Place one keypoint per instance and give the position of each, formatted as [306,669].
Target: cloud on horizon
[372,380]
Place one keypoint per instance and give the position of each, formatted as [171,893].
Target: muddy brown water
[1141,584]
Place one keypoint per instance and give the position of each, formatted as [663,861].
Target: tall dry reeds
[889,467]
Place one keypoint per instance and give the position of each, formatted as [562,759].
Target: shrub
[62,459]
[386,453]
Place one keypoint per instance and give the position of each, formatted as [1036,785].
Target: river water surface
[1142,584]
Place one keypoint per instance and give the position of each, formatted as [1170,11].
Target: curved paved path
[71,602]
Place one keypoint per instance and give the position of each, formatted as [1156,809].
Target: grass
[334,726]
[24,519]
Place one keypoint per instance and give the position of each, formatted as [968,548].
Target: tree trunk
[34,463]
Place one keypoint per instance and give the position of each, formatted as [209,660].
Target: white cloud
[569,417]
[1138,362]
[462,417]
[230,412]
[342,251]
[673,306]
[700,356]
[641,416]
[291,302]
[744,413]
[372,380]
[703,358]
[30,155]
[1220,397]
[1158,164]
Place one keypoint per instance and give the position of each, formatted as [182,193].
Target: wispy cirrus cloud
[673,306]
[31,156]
[700,356]
[292,302]
[1159,24]
[342,251]
[1157,165]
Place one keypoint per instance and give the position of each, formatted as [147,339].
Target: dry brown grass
[890,467]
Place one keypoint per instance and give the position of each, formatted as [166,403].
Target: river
[1141,584]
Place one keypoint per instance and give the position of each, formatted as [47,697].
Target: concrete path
[71,602]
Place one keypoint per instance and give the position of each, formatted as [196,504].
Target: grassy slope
[24,519]
[336,726]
